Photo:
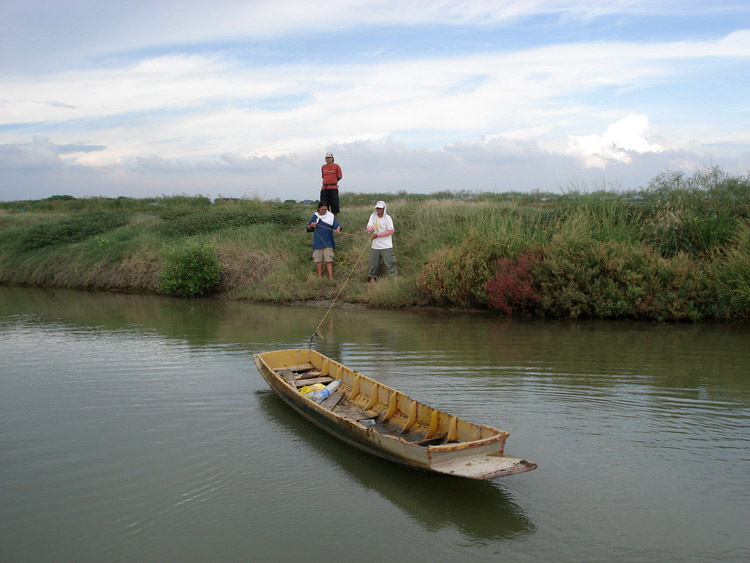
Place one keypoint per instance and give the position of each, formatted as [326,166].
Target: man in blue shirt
[322,225]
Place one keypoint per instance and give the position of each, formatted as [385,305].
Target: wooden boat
[386,422]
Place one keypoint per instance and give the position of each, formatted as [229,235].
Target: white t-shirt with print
[381,225]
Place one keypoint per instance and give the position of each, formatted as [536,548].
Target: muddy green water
[136,428]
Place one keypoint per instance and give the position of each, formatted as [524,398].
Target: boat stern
[483,466]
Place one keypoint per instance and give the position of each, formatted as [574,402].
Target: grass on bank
[677,250]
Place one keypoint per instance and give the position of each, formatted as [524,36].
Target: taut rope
[316,333]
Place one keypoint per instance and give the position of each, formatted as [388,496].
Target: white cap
[380,205]
[329,154]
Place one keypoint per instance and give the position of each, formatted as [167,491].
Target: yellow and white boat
[386,422]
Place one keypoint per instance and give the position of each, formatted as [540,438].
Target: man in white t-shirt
[381,227]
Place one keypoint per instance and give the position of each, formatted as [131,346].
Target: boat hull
[397,434]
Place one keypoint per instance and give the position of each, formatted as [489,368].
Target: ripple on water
[152,441]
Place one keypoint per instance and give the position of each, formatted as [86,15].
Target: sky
[244,98]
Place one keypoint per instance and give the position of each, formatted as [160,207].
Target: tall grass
[678,249]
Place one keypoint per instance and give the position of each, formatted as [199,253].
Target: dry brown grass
[137,273]
[240,268]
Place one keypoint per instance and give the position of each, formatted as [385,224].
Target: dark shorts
[331,199]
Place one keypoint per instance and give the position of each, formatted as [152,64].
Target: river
[136,428]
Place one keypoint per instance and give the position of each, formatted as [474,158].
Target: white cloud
[40,154]
[618,142]
[500,164]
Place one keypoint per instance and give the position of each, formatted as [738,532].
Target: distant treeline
[676,250]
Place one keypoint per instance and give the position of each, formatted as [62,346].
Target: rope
[316,333]
[321,225]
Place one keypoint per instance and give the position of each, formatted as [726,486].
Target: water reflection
[195,321]
[480,510]
[678,356]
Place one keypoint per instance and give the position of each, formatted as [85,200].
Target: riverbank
[676,250]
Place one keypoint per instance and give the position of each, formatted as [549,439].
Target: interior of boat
[374,405]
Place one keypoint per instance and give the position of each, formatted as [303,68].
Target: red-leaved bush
[512,290]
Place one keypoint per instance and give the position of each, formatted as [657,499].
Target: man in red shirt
[329,193]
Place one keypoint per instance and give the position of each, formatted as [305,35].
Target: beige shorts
[323,255]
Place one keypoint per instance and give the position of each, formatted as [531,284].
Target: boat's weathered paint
[472,451]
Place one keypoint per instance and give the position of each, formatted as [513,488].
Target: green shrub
[457,277]
[612,280]
[731,272]
[567,278]
[74,229]
[678,291]
[189,270]
[60,197]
